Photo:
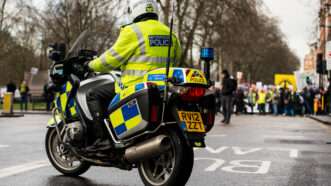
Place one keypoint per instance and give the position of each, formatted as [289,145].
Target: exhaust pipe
[148,149]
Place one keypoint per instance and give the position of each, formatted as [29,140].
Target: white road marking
[241,166]
[4,146]
[294,153]
[217,163]
[244,151]
[215,151]
[10,171]
[217,135]
[237,166]
[285,137]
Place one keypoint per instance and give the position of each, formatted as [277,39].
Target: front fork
[57,119]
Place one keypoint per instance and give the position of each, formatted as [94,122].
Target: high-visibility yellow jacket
[261,97]
[24,89]
[140,48]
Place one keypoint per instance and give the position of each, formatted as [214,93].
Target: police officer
[142,46]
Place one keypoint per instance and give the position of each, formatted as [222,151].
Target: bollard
[316,103]
[8,103]
[8,106]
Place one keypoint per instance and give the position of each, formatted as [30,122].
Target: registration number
[192,120]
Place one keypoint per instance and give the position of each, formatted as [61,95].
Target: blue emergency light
[207,54]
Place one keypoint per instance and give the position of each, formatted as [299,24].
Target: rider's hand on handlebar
[88,70]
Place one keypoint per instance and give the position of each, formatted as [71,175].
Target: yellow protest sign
[7,103]
[285,80]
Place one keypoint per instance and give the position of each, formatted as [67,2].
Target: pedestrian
[11,87]
[311,100]
[228,88]
[297,104]
[288,102]
[275,101]
[306,94]
[240,103]
[24,92]
[252,97]
[281,104]
[261,101]
[269,98]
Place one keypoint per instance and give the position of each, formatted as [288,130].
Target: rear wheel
[61,158]
[171,168]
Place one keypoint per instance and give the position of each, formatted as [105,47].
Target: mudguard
[52,122]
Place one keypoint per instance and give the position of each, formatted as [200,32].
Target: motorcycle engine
[74,132]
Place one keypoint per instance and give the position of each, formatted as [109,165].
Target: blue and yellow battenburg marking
[124,93]
[126,118]
[181,75]
[62,99]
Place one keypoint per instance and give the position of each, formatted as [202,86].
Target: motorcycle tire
[182,164]
[78,170]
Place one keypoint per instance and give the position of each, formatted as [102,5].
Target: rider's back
[140,48]
[151,51]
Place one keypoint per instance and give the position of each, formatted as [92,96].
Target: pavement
[251,151]
[325,119]
[18,113]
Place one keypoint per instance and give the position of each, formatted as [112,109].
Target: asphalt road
[252,151]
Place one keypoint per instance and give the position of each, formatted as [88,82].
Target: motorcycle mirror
[54,56]
[56,52]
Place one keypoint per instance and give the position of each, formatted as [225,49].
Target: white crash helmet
[140,8]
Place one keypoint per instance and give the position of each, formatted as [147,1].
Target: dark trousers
[227,105]
[251,106]
[261,108]
[98,100]
[271,108]
[24,102]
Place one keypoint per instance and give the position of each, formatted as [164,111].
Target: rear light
[196,92]
[193,94]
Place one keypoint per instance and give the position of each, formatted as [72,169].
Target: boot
[101,140]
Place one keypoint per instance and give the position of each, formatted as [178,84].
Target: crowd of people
[276,100]
[279,100]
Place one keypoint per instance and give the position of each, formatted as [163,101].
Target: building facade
[310,61]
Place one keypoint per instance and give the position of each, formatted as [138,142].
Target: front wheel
[61,158]
[171,168]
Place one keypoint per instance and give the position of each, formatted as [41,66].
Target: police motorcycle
[154,136]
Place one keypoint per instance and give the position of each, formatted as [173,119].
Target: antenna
[166,80]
